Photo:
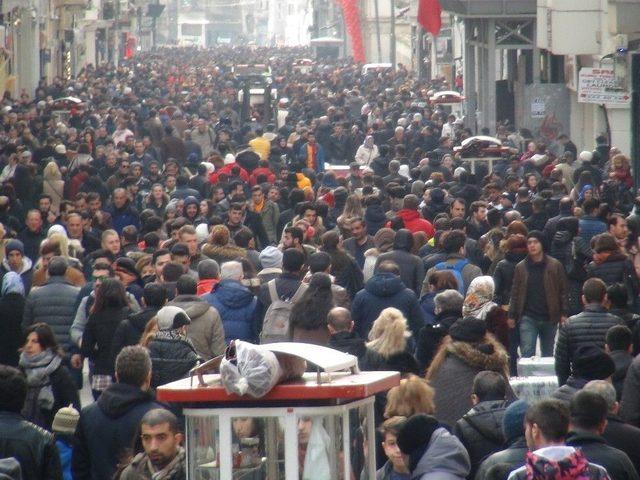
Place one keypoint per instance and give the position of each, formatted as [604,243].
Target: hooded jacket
[106,429]
[414,223]
[452,372]
[374,218]
[381,291]
[444,459]
[205,330]
[559,463]
[237,308]
[411,266]
[26,272]
[480,430]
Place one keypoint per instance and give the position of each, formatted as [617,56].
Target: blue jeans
[530,329]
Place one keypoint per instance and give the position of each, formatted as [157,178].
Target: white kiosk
[319,427]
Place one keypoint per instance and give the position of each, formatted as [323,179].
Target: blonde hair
[52,172]
[413,395]
[149,332]
[619,161]
[388,335]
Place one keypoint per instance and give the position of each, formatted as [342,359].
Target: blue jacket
[122,217]
[65,450]
[590,227]
[381,291]
[320,157]
[237,307]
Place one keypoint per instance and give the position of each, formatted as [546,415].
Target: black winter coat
[480,431]
[431,336]
[503,276]
[595,448]
[381,291]
[107,428]
[12,308]
[513,456]
[97,339]
[587,328]
[624,437]
[402,362]
[130,330]
[33,447]
[172,358]
[630,404]
[617,268]
[411,266]
[349,342]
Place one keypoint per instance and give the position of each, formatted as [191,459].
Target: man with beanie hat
[513,431]
[271,261]
[538,298]
[15,261]
[172,353]
[587,328]
[434,454]
[589,363]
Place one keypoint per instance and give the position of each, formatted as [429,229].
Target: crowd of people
[154,218]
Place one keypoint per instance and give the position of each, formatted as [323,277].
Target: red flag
[429,16]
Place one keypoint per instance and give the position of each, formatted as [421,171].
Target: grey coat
[444,459]
[53,303]
[205,331]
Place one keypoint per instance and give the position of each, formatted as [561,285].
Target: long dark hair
[46,337]
[110,294]
[311,311]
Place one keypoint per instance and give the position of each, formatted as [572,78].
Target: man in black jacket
[479,429]
[513,431]
[343,338]
[587,328]
[617,433]
[33,447]
[107,427]
[587,424]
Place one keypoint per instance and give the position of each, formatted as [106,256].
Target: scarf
[311,156]
[173,470]
[38,369]
[257,207]
[479,300]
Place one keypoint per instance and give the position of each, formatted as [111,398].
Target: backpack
[455,268]
[275,327]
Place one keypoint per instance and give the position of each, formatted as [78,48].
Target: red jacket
[414,223]
[213,178]
[206,286]
[253,179]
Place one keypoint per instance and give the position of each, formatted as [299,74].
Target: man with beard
[163,456]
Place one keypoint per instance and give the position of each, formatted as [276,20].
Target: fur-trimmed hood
[227,252]
[488,355]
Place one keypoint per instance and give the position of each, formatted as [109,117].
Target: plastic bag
[247,369]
